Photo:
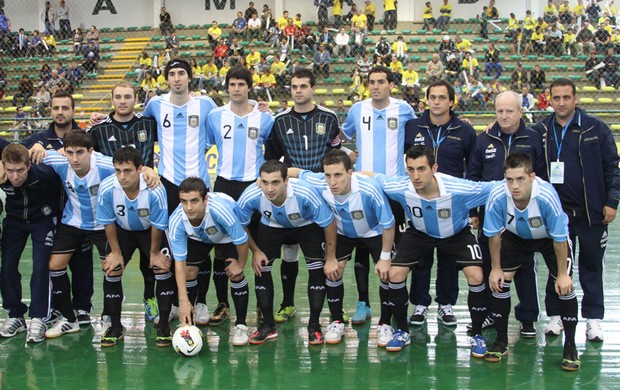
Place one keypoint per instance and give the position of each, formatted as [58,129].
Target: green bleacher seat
[346,80]
[65,41]
[158,46]
[63,58]
[179,26]
[132,28]
[468,31]
[106,56]
[515,58]
[186,45]
[422,68]
[510,68]
[452,31]
[504,79]
[375,32]
[311,23]
[201,53]
[91,75]
[182,37]
[416,58]
[104,29]
[202,63]
[330,80]
[391,32]
[199,45]
[106,47]
[421,31]
[582,57]
[532,57]
[349,60]
[486,78]
[145,28]
[106,40]
[566,57]
[561,67]
[459,20]
[473,20]
[368,41]
[196,37]
[63,49]
[528,67]
[194,26]
[555,77]
[339,69]
[414,40]
[437,31]
[118,29]
[579,67]
[119,39]
[423,49]
[405,32]
[478,40]
[431,39]
[156,38]
[493,39]
[545,67]
[504,48]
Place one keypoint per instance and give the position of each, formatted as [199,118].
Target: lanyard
[558,145]
[439,137]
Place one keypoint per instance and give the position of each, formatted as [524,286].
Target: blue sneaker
[151,311]
[478,346]
[362,314]
[401,340]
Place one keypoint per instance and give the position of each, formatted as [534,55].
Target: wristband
[385,255]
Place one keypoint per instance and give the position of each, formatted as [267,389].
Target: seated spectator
[526,101]
[551,12]
[272,32]
[78,41]
[210,73]
[326,38]
[255,27]
[570,43]
[268,84]
[543,100]
[429,20]
[256,88]
[492,61]
[399,49]
[452,68]
[513,25]
[50,42]
[21,121]
[148,84]
[470,65]
[173,45]
[37,45]
[220,53]
[263,65]
[519,78]
[297,21]
[75,75]
[290,31]
[585,38]
[322,59]
[494,88]
[24,91]
[42,99]
[383,52]
[283,20]
[223,72]
[198,80]
[253,58]
[397,69]
[364,65]
[356,83]
[462,46]
[239,26]
[359,20]
[475,94]
[565,13]
[278,70]
[91,58]
[159,61]
[410,80]
[45,73]
[92,35]
[538,79]
[615,40]
[444,19]
[602,38]
[145,65]
[162,86]
[434,69]
[555,41]
[357,42]
[537,42]
[3,82]
[610,72]
[594,72]
[308,44]
[518,44]
[446,47]
[36,121]
[235,48]
[165,22]
[21,44]
[342,43]
[56,82]
[214,34]
[363,93]
[250,11]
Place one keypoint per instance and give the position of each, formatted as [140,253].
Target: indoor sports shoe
[53,318]
[495,353]
[201,314]
[263,333]
[527,329]
[163,339]
[111,336]
[240,335]
[486,324]
[151,311]
[83,317]
[446,315]
[419,315]
[36,331]
[335,333]
[284,314]
[361,315]
[401,340]
[554,327]
[315,335]
[385,334]
[478,346]
[106,322]
[593,330]
[345,317]
[220,314]
[63,326]
[570,359]
[13,326]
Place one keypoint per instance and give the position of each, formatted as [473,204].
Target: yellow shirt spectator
[529,22]
[465,64]
[363,92]
[49,40]
[571,37]
[396,67]
[370,9]
[338,7]
[579,10]
[277,68]
[146,62]
[252,59]
[395,47]
[537,37]
[267,80]
[223,71]
[446,10]
[464,45]
[282,22]
[550,9]
[389,5]
[209,70]
[196,70]
[543,25]
[215,32]
[150,84]
[255,80]
[410,77]
[162,82]
[359,21]
[564,8]
[428,13]
[297,23]
[513,23]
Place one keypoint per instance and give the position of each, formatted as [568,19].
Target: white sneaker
[106,322]
[36,331]
[385,334]
[63,326]
[593,330]
[554,327]
[240,335]
[13,326]
[335,333]
[201,316]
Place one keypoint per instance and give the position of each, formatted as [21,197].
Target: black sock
[148,276]
[113,298]
[288,274]
[220,280]
[477,310]
[192,290]
[264,295]
[204,279]
[61,290]
[568,312]
[316,290]
[166,292]
[362,268]
[399,299]
[386,308]
[500,310]
[240,295]
[335,294]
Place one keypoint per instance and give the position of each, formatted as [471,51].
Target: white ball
[187,340]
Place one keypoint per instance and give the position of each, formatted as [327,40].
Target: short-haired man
[134,217]
[524,216]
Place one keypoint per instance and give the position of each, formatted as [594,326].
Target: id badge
[557,172]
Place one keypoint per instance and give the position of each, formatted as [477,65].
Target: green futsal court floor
[438,357]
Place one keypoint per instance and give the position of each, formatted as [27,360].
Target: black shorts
[130,240]
[172,194]
[345,245]
[311,239]
[400,219]
[415,247]
[199,252]
[517,252]
[68,239]
[232,188]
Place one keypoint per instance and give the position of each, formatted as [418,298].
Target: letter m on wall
[219,4]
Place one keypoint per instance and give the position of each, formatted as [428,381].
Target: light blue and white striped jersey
[182,137]
[365,212]
[239,141]
[302,207]
[149,208]
[220,225]
[542,218]
[379,135]
[81,192]
[440,217]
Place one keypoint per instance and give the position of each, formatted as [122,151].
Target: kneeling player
[524,216]
[134,217]
[201,222]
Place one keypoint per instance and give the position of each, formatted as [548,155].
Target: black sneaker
[527,329]
[486,324]
[419,315]
[220,314]
[112,335]
[570,359]
[83,318]
[263,333]
[54,317]
[164,339]
[315,335]
[445,314]
[495,353]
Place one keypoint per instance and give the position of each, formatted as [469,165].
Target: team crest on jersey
[211,230]
[93,190]
[535,222]
[294,216]
[193,120]
[252,133]
[142,135]
[320,128]
[444,213]
[143,213]
[392,123]
[46,210]
[357,214]
[419,139]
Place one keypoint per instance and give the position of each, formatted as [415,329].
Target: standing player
[134,217]
[291,211]
[123,127]
[239,130]
[438,209]
[204,220]
[524,216]
[302,135]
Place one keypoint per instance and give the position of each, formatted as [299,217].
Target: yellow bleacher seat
[608,88]
[348,103]
[10,109]
[338,90]
[321,91]
[604,100]
[274,103]
[615,126]
[586,100]
[589,88]
[330,103]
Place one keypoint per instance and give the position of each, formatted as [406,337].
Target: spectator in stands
[283,20]
[48,16]
[348,18]
[570,43]
[5,32]
[585,38]
[213,34]
[543,100]
[326,38]
[239,26]
[321,12]
[62,70]
[602,38]
[555,41]
[526,101]
[518,45]
[148,84]
[513,24]
[492,61]
[410,80]
[492,11]
[24,91]
[462,46]
[477,94]
[78,40]
[593,10]
[452,68]
[50,42]
[565,13]
[250,11]
[470,65]
[64,23]
[529,23]
[223,72]
[21,119]
[551,12]
[159,61]
[37,45]
[3,82]
[198,79]
[338,13]
[342,43]
[162,86]
[220,53]
[396,66]
[173,45]
[92,35]
[56,82]
[370,11]
[255,27]
[359,20]
[434,69]
[341,111]
[356,83]
[538,79]
[36,123]
[537,42]
[42,99]
[272,32]
[278,70]
[145,64]
[399,49]
[383,52]
[263,65]
[75,75]
[429,20]
[290,31]
[21,44]
[494,88]
[91,58]
[253,58]
[364,64]
[357,42]
[308,43]
[484,21]
[363,92]
[389,17]
[322,58]
[593,74]
[444,19]
[165,22]
[45,73]
[610,72]
[519,78]
[268,83]
[611,10]
[210,72]
[446,47]
[265,14]
[236,48]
